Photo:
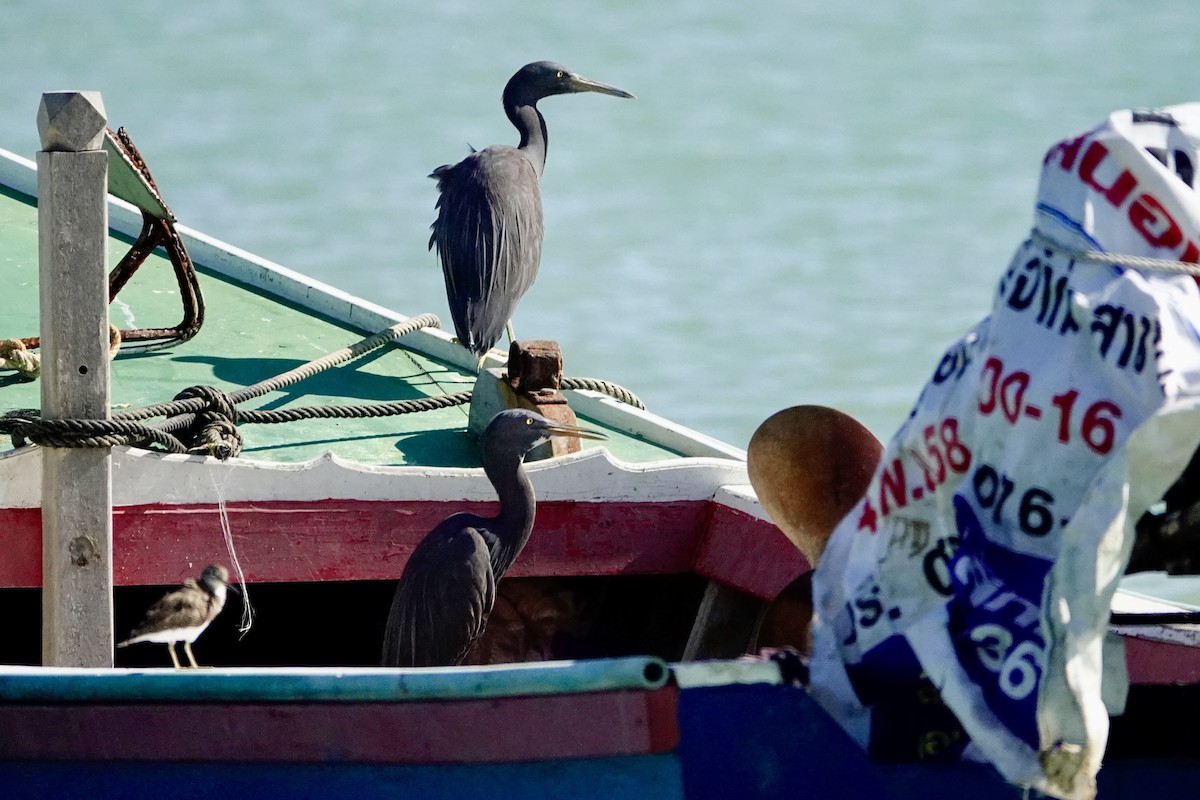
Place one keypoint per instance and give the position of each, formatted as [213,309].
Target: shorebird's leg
[174,658]
[187,648]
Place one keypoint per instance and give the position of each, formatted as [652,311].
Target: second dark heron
[448,586]
[488,231]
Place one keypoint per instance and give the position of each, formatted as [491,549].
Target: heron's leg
[187,648]
[512,337]
[174,658]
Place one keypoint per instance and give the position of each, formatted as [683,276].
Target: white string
[223,515]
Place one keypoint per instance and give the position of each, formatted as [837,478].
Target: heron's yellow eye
[529,421]
[560,73]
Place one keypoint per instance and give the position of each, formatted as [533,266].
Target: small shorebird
[182,614]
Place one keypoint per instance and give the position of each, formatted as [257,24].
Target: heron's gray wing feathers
[488,235]
[442,602]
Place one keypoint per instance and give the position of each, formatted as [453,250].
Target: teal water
[806,204]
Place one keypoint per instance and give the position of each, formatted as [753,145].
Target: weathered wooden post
[77,571]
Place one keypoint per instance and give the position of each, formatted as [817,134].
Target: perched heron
[182,614]
[488,231]
[448,586]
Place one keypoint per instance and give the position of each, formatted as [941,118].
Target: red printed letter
[1125,183]
[1152,221]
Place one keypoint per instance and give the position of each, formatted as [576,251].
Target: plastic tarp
[962,606]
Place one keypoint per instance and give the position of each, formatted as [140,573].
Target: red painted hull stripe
[1151,662]
[510,729]
[342,540]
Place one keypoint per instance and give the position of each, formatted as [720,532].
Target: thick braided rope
[122,428]
[90,433]
[598,385]
[220,436]
[339,412]
[185,403]
[333,359]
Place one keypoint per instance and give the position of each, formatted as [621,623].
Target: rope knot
[214,399]
[215,435]
[213,431]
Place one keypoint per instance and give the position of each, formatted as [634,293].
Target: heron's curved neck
[517,505]
[534,138]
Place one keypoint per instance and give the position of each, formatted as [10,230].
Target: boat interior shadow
[1157,724]
[333,623]
[439,448]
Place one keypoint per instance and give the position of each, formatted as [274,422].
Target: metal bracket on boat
[532,381]
[129,179]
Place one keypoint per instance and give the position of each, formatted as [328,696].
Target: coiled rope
[203,420]
[204,416]
[359,411]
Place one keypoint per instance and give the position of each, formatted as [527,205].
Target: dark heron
[182,614]
[488,231]
[448,587]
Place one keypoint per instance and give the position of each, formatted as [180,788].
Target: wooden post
[77,572]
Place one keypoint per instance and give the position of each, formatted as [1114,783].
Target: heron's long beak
[581,84]
[556,429]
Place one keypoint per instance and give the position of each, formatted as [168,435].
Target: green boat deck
[248,337]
